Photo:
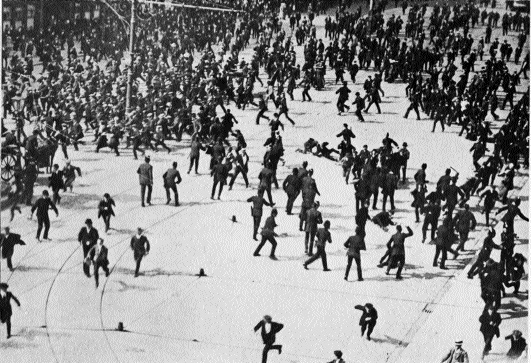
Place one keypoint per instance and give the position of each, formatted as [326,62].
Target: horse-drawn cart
[10,162]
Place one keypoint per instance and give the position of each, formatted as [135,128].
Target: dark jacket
[432,212]
[8,244]
[398,240]
[265,177]
[258,205]
[42,205]
[390,183]
[268,229]
[370,315]
[363,190]
[452,193]
[169,177]
[140,245]
[292,184]
[355,244]
[362,216]
[105,207]
[517,346]
[88,239]
[5,306]
[102,258]
[145,174]
[220,172]
[269,338]
[56,180]
[490,323]
[464,221]
[323,235]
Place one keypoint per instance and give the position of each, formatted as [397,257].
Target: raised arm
[16,300]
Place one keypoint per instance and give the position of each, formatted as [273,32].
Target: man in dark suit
[398,251]
[140,246]
[368,319]
[390,183]
[8,242]
[431,218]
[451,194]
[268,234]
[88,237]
[355,244]
[323,236]
[292,186]
[313,219]
[170,184]
[42,205]
[145,175]
[269,329]
[464,222]
[220,173]
[98,255]
[56,183]
[257,211]
[5,307]
[362,216]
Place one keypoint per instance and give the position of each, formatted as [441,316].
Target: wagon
[11,160]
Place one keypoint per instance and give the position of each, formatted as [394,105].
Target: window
[6,18]
[7,13]
[31,17]
[77,11]
[19,12]
[97,10]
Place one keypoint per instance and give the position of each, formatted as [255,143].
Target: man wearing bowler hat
[88,237]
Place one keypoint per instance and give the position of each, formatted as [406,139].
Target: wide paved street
[171,315]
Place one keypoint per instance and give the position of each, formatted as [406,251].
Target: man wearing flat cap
[456,354]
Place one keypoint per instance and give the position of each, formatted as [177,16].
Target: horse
[45,154]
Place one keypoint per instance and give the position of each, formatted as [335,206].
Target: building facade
[36,14]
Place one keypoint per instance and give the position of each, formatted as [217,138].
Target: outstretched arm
[16,300]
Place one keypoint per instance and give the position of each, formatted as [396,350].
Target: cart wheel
[8,167]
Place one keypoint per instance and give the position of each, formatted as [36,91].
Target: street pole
[130,70]
[370,16]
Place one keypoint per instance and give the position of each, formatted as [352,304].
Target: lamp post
[130,70]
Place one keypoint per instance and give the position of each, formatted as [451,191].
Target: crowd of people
[186,70]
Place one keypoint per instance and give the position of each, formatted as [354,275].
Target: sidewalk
[462,305]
